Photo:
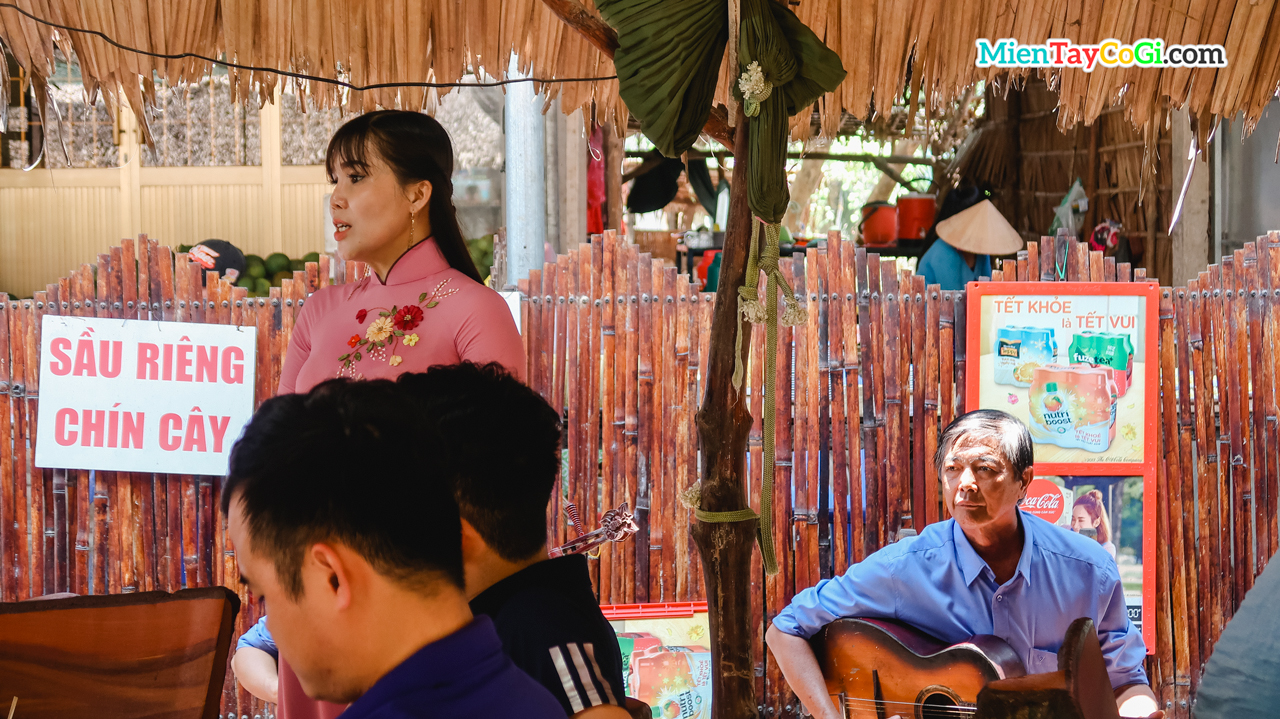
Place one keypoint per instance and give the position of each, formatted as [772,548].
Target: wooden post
[723,425]
[613,154]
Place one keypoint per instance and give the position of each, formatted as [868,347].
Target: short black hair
[499,442]
[1015,438]
[344,463]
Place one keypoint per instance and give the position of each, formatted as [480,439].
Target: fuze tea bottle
[1112,352]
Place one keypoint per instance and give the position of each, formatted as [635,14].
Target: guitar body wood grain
[877,669]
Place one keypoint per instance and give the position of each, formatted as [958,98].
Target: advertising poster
[1078,363]
[143,396]
[1107,509]
[1078,367]
[666,658]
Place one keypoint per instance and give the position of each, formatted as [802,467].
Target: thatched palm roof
[368,43]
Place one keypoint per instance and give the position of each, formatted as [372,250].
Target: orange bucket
[879,224]
[915,215]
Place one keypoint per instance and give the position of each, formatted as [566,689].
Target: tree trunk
[724,423]
[802,189]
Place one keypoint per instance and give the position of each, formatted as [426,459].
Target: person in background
[966,242]
[219,255]
[255,663]
[1089,513]
[341,523]
[423,304]
[498,442]
[1242,676]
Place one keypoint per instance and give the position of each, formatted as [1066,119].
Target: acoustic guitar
[877,668]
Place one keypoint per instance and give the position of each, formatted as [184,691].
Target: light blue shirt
[943,265]
[259,637]
[938,583]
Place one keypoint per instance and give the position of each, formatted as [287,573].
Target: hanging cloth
[785,69]
[668,60]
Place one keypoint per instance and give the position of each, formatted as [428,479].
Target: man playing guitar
[991,569]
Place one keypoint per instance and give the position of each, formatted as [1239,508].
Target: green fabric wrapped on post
[668,59]
[798,69]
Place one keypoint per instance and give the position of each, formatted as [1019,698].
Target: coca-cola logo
[1044,499]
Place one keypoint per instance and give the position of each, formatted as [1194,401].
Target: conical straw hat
[982,230]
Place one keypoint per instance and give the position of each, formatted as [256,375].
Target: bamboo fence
[99,532]
[618,341]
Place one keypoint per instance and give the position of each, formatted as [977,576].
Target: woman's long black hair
[416,148]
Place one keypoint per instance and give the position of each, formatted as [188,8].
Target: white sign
[142,396]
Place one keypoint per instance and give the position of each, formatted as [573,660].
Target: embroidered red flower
[361,315]
[355,340]
[407,317]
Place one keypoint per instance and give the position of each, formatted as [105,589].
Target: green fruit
[262,286]
[277,262]
[297,265]
[281,275]
[311,257]
[184,248]
[250,260]
[256,271]
[247,282]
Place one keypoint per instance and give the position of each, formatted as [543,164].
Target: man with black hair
[499,443]
[342,526]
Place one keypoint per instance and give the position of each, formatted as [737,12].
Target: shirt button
[1000,598]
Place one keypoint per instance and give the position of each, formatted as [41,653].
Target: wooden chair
[151,654]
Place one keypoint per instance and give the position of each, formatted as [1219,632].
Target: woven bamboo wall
[1029,163]
[618,341]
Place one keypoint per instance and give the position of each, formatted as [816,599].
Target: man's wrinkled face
[299,624]
[980,486]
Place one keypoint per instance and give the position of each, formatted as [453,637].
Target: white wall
[1250,181]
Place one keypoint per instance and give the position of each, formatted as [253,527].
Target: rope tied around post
[753,310]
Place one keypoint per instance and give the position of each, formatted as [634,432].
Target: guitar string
[969,707]
[936,709]
[931,714]
[863,709]
[939,711]
[855,702]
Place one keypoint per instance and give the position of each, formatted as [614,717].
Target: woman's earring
[411,227]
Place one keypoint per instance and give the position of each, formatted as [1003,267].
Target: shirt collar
[971,565]
[440,663]
[422,260]
[561,573]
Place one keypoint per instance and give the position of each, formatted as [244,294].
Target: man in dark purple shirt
[340,526]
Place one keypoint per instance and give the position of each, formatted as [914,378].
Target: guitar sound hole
[938,706]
